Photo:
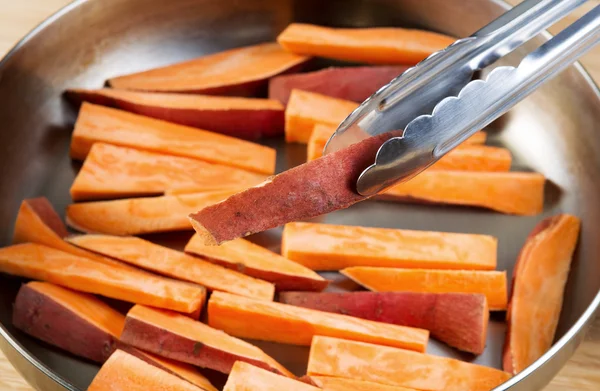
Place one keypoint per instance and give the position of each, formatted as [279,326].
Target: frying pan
[552,132]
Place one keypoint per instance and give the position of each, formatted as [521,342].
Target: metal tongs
[438,105]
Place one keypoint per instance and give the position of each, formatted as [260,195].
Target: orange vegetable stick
[110,171]
[39,262]
[256,261]
[241,71]
[492,284]
[180,338]
[104,124]
[539,280]
[246,377]
[328,383]
[270,321]
[334,247]
[380,45]
[172,263]
[136,216]
[518,193]
[398,367]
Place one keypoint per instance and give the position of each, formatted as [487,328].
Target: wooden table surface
[582,373]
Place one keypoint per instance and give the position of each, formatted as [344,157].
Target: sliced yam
[517,193]
[492,284]
[398,367]
[276,322]
[258,262]
[334,247]
[241,71]
[39,262]
[247,377]
[377,45]
[104,124]
[172,263]
[328,383]
[317,141]
[349,83]
[111,171]
[539,280]
[76,322]
[307,109]
[238,117]
[125,372]
[180,338]
[458,319]
[135,216]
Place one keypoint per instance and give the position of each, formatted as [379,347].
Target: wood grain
[582,373]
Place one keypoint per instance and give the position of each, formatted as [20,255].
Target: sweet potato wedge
[76,322]
[241,71]
[39,262]
[104,124]
[350,83]
[492,284]
[136,216]
[111,171]
[458,319]
[256,261]
[328,383]
[246,377]
[180,338]
[270,321]
[517,193]
[238,117]
[398,367]
[379,45]
[334,247]
[172,263]
[538,282]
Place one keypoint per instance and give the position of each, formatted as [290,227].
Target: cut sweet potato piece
[458,319]
[539,280]
[104,124]
[334,247]
[180,338]
[518,193]
[246,377]
[136,216]
[172,263]
[39,262]
[328,383]
[378,45]
[110,171]
[241,71]
[76,322]
[270,321]
[238,117]
[492,284]
[398,367]
[256,261]
[350,83]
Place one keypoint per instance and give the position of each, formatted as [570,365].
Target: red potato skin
[350,83]
[458,319]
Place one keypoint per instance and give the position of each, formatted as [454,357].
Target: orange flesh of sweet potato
[398,367]
[76,322]
[136,216]
[492,284]
[238,117]
[380,45]
[104,124]
[277,322]
[539,280]
[125,372]
[458,319]
[180,338]
[334,247]
[39,262]
[328,383]
[241,71]
[111,171]
[247,377]
[256,261]
[518,193]
[172,263]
